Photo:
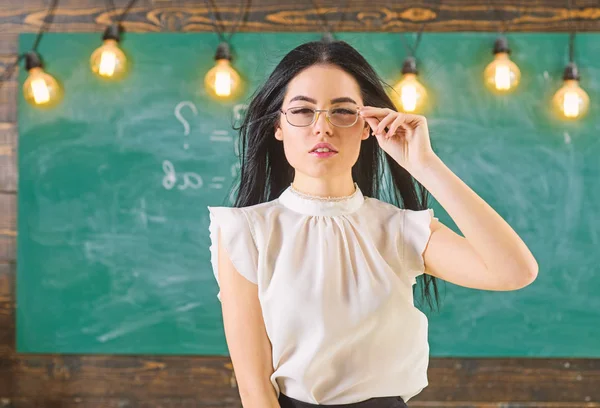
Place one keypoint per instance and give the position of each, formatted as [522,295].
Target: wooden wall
[41,381]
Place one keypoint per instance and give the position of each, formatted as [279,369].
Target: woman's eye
[301,111]
[341,111]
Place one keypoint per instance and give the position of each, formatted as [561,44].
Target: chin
[321,171]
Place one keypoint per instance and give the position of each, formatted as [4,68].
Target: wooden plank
[9,42]
[8,157]
[7,272]
[290,16]
[78,402]
[209,380]
[7,303]
[206,379]
[8,93]
[8,224]
[513,379]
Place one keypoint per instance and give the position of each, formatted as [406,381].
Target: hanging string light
[328,31]
[412,95]
[501,75]
[409,94]
[571,102]
[109,61]
[40,89]
[222,81]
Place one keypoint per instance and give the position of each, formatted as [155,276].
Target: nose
[322,125]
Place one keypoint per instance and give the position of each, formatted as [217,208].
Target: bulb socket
[501,45]
[33,60]
[410,66]
[571,72]
[223,51]
[113,32]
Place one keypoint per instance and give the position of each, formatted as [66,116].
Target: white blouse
[335,282]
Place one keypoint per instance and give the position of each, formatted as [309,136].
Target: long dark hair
[264,170]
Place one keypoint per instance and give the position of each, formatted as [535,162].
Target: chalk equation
[184,180]
[183,121]
[216,135]
[189,179]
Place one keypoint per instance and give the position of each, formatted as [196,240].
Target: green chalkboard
[114,182]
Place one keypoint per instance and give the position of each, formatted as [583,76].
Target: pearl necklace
[318,198]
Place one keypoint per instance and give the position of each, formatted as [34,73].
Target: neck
[326,188]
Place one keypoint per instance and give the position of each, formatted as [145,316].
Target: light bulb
[571,101]
[222,81]
[502,75]
[410,93]
[40,88]
[108,61]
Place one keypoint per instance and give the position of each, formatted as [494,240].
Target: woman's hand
[407,139]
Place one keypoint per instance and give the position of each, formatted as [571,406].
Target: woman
[316,273]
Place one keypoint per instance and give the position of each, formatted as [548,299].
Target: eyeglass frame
[316,116]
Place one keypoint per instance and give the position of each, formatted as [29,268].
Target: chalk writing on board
[190,179]
[141,213]
[217,182]
[183,121]
[220,136]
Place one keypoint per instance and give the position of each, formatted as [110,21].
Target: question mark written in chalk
[180,118]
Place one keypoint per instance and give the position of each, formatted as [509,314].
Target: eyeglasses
[305,116]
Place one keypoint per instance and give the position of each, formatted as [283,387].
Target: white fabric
[335,284]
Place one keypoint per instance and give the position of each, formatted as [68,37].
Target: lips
[322,146]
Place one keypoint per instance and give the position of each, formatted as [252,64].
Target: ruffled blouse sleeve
[238,239]
[416,234]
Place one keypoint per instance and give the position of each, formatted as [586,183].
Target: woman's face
[318,87]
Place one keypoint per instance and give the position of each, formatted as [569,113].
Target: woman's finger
[394,126]
[374,109]
[372,123]
[385,122]
[371,111]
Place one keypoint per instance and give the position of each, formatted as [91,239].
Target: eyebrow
[311,100]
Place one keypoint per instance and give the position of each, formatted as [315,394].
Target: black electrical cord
[10,69]
[571,72]
[572,33]
[216,19]
[502,29]
[504,26]
[112,9]
[47,22]
[48,19]
[571,46]
[327,28]
[115,29]
[412,51]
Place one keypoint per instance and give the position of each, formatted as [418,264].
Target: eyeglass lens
[342,117]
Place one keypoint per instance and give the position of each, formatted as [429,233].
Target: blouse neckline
[325,207]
